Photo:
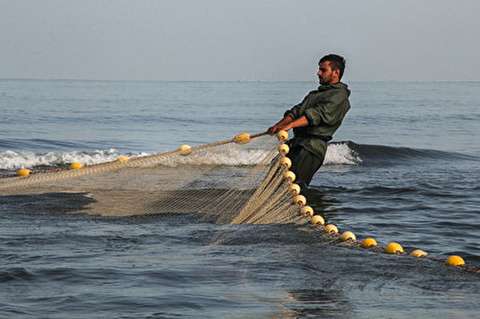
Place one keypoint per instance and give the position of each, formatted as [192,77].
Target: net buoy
[286,162]
[23,172]
[282,135]
[306,211]
[300,200]
[455,261]
[294,189]
[122,159]
[283,149]
[289,176]
[317,220]
[418,253]
[394,248]
[242,138]
[76,165]
[185,149]
[368,242]
[331,229]
[348,235]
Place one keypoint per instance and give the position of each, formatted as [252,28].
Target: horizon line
[163,80]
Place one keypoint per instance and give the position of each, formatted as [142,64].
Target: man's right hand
[273,129]
[280,125]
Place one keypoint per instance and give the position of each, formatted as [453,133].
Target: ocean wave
[341,154]
[15,159]
[228,156]
[338,153]
[382,154]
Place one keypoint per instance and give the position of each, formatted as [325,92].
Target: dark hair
[336,61]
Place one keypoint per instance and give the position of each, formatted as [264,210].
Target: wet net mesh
[224,182]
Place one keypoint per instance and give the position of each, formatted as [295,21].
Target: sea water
[405,166]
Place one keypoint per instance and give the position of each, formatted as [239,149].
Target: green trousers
[304,164]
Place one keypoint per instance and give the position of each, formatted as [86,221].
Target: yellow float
[23,172]
[283,149]
[242,138]
[76,165]
[306,211]
[294,189]
[300,200]
[317,220]
[286,162]
[282,135]
[368,242]
[394,248]
[455,261]
[185,149]
[348,235]
[122,159]
[418,253]
[289,176]
[331,229]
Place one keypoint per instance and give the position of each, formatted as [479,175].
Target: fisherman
[315,119]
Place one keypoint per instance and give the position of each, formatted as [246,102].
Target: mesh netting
[224,182]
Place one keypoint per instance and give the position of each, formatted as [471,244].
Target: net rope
[224,182]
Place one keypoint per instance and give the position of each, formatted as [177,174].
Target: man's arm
[288,123]
[290,117]
[300,122]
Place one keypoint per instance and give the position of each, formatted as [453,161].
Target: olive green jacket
[324,109]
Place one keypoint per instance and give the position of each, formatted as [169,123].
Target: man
[315,119]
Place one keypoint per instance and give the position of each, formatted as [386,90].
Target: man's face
[325,73]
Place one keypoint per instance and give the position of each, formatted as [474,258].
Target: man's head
[330,69]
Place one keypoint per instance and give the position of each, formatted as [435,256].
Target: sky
[254,40]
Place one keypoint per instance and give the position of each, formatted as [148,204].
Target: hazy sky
[238,40]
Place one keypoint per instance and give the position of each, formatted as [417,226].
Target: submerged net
[223,182]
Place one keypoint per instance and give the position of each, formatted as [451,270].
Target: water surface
[406,168]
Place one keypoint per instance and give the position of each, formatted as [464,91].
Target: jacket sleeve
[327,110]
[297,111]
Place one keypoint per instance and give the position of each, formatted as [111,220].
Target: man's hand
[280,125]
[273,129]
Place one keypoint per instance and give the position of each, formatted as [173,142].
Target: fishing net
[240,180]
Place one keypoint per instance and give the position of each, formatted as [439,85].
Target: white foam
[341,154]
[337,154]
[229,156]
[14,160]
